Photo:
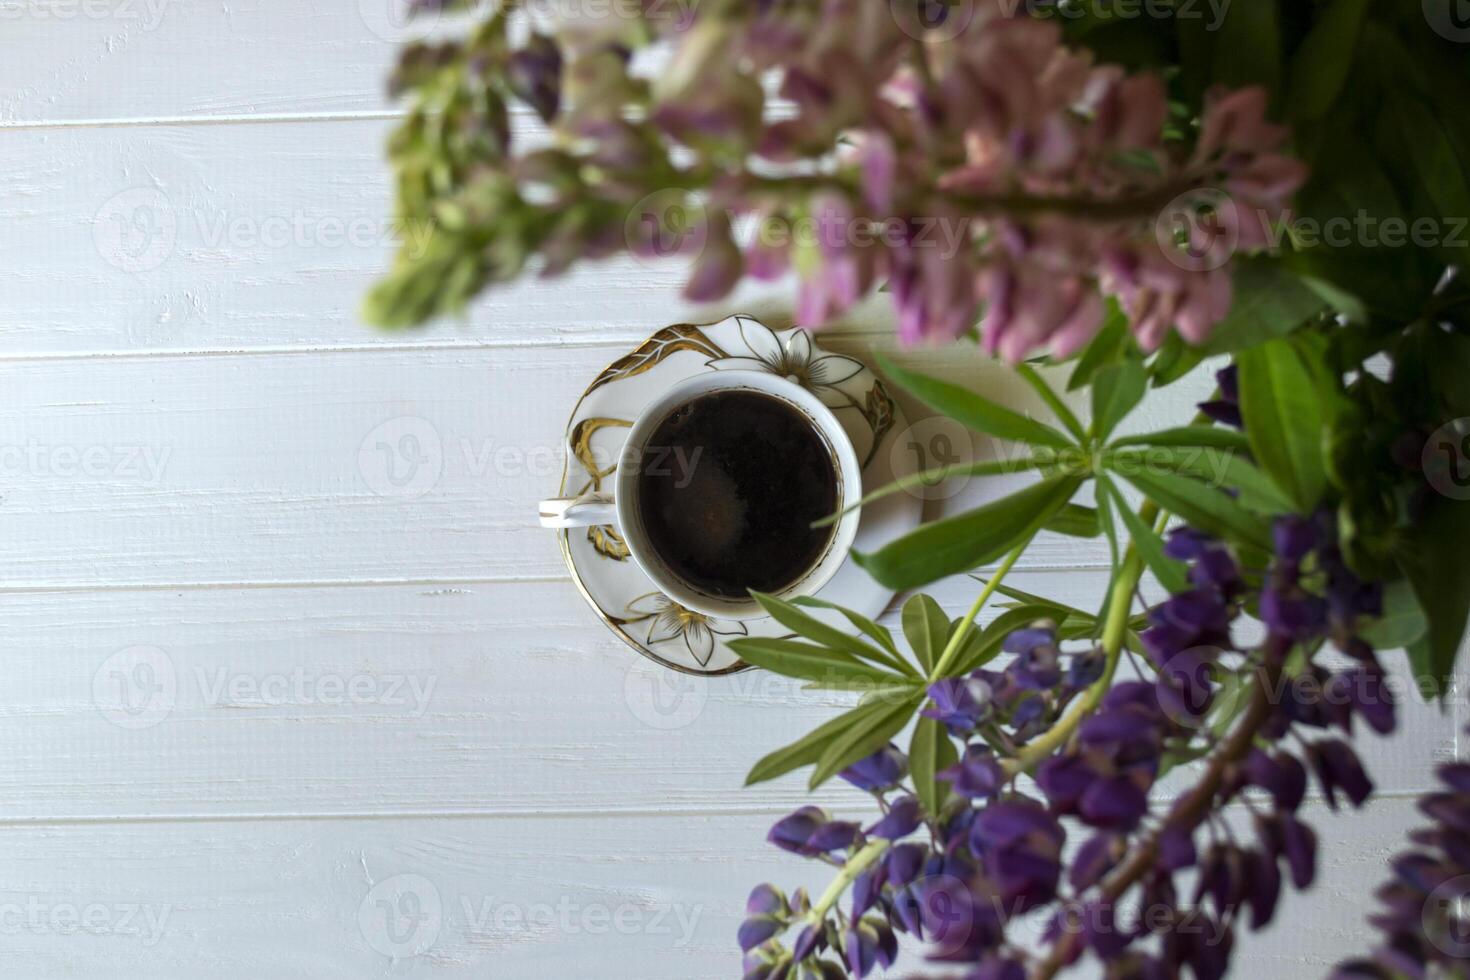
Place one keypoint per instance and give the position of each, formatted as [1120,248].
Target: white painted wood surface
[369,697]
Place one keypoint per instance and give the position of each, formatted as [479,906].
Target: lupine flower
[766,914]
[1226,408]
[978,774]
[902,819]
[880,771]
[959,703]
[1005,112]
[809,831]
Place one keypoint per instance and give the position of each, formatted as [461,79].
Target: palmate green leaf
[1053,401]
[812,628]
[806,750]
[1208,509]
[1270,301]
[936,475]
[810,662]
[1284,421]
[1150,546]
[1075,521]
[1215,467]
[926,627]
[1174,360]
[1207,436]
[872,630]
[885,719]
[958,544]
[930,751]
[1116,391]
[1402,622]
[1248,51]
[974,411]
[1102,350]
[1433,558]
[1440,168]
[1320,64]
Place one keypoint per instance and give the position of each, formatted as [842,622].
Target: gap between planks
[554,813]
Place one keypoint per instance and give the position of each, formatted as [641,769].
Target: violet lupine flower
[810,832]
[959,703]
[880,771]
[1019,843]
[1226,408]
[903,818]
[766,915]
[1037,665]
[977,775]
[870,942]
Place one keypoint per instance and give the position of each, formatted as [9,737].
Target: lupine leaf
[1116,391]
[974,411]
[812,628]
[930,750]
[1075,521]
[1215,467]
[1149,545]
[926,627]
[809,662]
[806,750]
[960,543]
[885,719]
[1206,508]
[872,630]
[1284,420]
[1209,436]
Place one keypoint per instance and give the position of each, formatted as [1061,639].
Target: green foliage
[1284,419]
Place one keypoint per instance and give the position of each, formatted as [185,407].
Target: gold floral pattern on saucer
[618,591]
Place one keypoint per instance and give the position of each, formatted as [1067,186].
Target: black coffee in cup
[729,485]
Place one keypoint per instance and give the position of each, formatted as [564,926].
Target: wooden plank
[617,896]
[490,698]
[271,468]
[261,236]
[81,60]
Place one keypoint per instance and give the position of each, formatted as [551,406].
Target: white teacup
[620,508]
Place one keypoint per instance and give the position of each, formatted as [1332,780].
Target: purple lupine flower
[766,913]
[1226,408]
[903,818]
[1281,775]
[1299,843]
[1338,768]
[1117,802]
[1037,666]
[903,862]
[880,771]
[809,832]
[1292,612]
[533,73]
[1019,844]
[959,703]
[977,775]
[1176,849]
[1095,858]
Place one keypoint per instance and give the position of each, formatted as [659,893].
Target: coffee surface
[729,485]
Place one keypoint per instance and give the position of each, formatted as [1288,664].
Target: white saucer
[623,597]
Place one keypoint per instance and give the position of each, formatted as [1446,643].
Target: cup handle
[588,509]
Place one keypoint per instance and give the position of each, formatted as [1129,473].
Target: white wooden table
[267,713]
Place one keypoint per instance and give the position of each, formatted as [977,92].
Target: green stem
[855,866]
[1115,629]
[952,648]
